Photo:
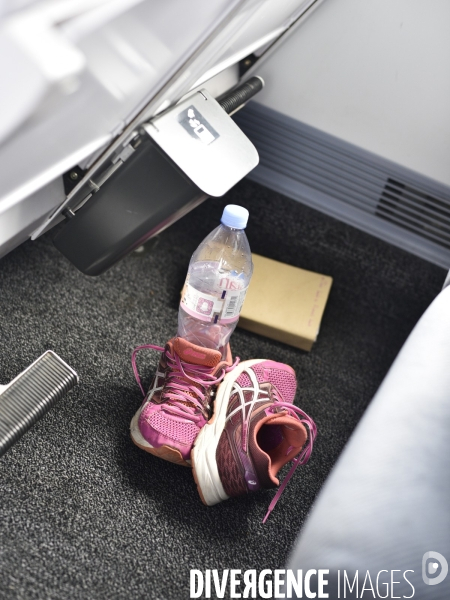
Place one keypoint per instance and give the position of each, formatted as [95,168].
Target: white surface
[19,219]
[50,126]
[259,23]
[375,73]
[78,72]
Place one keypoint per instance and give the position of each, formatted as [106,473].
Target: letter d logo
[434,568]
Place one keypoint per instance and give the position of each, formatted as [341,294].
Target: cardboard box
[285,303]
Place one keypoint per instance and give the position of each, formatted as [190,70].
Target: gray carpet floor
[84,514]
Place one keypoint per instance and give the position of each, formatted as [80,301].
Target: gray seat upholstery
[387,501]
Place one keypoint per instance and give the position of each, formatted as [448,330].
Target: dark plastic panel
[147,193]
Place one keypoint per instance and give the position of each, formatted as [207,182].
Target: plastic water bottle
[216,284]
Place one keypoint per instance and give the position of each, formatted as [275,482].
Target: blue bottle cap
[235,216]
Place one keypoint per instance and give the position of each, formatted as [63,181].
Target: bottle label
[206,307]
[200,305]
[233,302]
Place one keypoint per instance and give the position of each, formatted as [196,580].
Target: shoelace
[186,400]
[287,407]
[304,455]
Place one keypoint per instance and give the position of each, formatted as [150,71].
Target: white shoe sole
[203,455]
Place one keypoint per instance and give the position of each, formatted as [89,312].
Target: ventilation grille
[416,211]
[349,183]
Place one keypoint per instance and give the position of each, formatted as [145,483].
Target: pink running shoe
[254,432]
[177,405]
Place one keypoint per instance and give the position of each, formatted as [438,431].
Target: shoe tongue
[280,439]
[196,355]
